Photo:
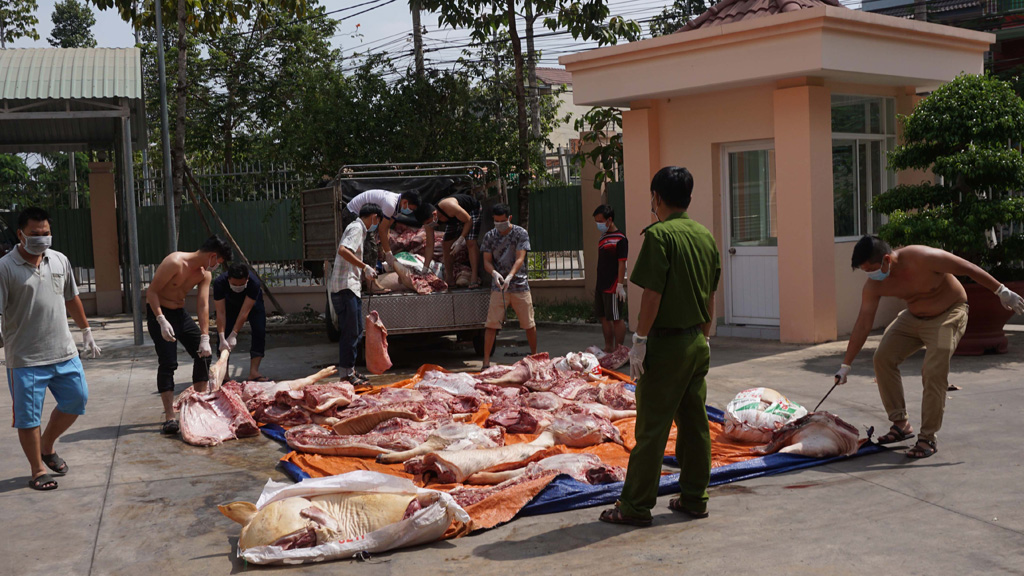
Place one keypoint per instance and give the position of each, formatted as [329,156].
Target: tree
[583,19]
[18,20]
[72,25]
[966,132]
[674,17]
[14,181]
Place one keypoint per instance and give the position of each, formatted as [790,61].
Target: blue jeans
[348,307]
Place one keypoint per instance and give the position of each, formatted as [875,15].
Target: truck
[461,312]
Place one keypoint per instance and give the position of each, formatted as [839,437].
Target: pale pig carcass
[818,434]
[586,468]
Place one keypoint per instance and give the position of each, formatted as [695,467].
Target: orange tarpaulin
[503,506]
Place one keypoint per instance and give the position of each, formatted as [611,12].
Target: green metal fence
[615,196]
[72,233]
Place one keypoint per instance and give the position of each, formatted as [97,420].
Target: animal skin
[818,434]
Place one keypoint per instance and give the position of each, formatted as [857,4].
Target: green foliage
[537,265]
[674,17]
[602,127]
[14,181]
[18,20]
[965,133]
[72,25]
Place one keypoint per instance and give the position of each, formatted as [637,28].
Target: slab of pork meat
[320,398]
[428,283]
[586,468]
[617,396]
[459,384]
[392,435]
[282,416]
[818,434]
[209,418]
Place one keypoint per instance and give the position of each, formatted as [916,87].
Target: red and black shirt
[611,249]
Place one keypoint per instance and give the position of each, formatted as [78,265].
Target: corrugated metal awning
[61,99]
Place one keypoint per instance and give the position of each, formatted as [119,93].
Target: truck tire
[478,342]
[333,335]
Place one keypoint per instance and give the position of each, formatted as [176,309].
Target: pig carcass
[611,360]
[392,435]
[209,418]
[320,398]
[536,372]
[818,434]
[376,341]
[586,468]
[256,393]
[452,436]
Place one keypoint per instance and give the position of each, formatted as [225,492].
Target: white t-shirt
[388,202]
[345,276]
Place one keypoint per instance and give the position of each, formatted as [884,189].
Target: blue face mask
[406,212]
[878,275]
[602,227]
[372,228]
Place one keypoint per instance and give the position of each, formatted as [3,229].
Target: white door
[752,253]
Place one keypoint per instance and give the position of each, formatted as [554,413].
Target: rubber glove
[508,281]
[620,293]
[90,343]
[458,244]
[636,356]
[223,343]
[1010,299]
[204,346]
[166,330]
[370,272]
[232,340]
[498,279]
[844,371]
[390,259]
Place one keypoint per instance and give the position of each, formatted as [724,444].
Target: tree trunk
[181,90]
[417,37]
[531,71]
[523,176]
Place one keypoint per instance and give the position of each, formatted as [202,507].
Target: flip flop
[676,506]
[170,427]
[615,516]
[42,482]
[895,434]
[261,379]
[55,463]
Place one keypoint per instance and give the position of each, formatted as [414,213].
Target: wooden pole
[231,239]
[190,187]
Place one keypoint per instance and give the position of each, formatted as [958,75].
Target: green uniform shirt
[679,260]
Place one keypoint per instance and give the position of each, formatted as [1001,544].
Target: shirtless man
[169,322]
[935,318]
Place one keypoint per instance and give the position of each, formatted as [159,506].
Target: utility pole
[172,232]
[73,180]
[417,37]
[531,70]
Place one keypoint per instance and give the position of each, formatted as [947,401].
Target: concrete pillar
[803,158]
[641,156]
[905,104]
[590,199]
[102,194]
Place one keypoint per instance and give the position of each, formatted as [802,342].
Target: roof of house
[36,73]
[728,11]
[554,76]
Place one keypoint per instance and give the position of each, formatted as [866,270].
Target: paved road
[136,502]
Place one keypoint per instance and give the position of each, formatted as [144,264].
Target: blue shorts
[66,381]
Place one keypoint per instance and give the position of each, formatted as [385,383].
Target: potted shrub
[967,133]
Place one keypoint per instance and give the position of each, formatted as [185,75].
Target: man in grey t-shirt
[37,292]
[504,249]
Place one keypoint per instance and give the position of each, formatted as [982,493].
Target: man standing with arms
[460,213]
[238,298]
[345,286]
[37,292]
[504,249]
[935,318]
[169,322]
[612,251]
[678,268]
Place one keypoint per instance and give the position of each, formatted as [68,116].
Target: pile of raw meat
[411,240]
[613,360]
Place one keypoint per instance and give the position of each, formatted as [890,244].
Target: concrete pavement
[136,502]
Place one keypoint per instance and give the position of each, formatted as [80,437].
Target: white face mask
[502,226]
[36,245]
[238,289]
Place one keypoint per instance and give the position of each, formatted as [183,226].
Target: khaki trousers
[907,334]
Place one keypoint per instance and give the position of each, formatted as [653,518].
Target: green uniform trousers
[672,388]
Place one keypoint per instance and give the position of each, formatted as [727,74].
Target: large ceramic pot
[985,321]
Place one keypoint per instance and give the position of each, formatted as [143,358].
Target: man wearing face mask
[169,322]
[678,268]
[935,318]
[405,207]
[504,249]
[37,293]
[345,286]
[612,251]
[238,298]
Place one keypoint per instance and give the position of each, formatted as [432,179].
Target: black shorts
[606,306]
[453,228]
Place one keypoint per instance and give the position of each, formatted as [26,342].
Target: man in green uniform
[678,268]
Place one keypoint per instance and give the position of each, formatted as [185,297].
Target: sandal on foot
[676,506]
[357,380]
[170,427]
[895,434]
[615,516]
[55,463]
[953,388]
[923,449]
[474,286]
[42,482]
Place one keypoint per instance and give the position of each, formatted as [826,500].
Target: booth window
[863,131]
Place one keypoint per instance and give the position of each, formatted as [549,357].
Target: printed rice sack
[754,414]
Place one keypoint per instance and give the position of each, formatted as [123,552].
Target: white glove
[90,343]
[507,282]
[390,259]
[620,293]
[232,340]
[636,356]
[424,270]
[498,279]
[223,343]
[844,371]
[1010,299]
[458,244]
[166,330]
[370,272]
[204,346]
